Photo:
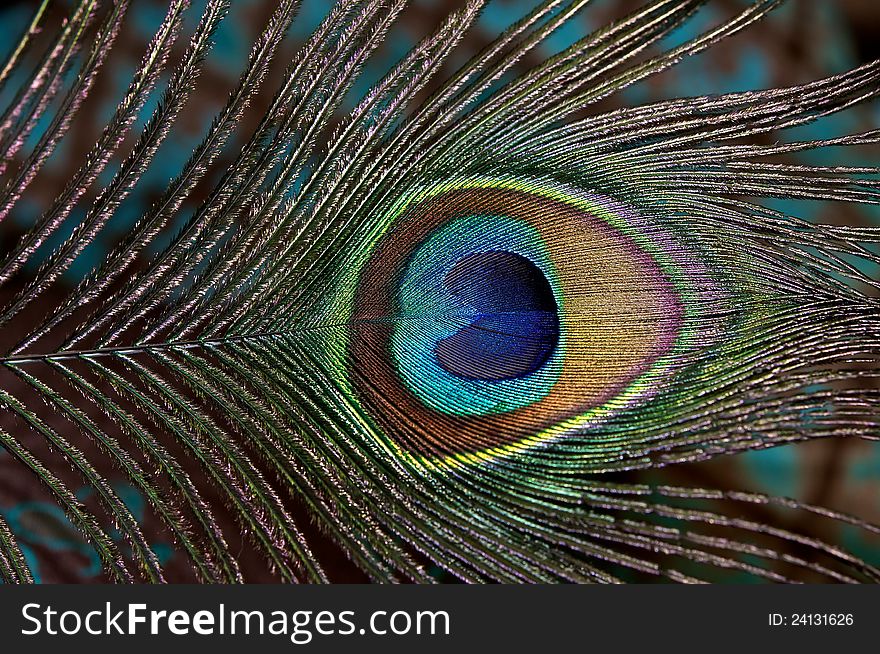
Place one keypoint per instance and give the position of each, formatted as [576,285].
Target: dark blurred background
[802,41]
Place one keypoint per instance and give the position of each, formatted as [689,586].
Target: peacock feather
[455,325]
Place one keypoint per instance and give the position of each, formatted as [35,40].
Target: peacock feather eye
[492,315]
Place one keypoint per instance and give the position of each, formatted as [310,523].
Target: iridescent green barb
[433,328]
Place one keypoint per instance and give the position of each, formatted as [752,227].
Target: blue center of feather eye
[480,328]
[515,326]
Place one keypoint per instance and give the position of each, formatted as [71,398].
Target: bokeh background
[802,41]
